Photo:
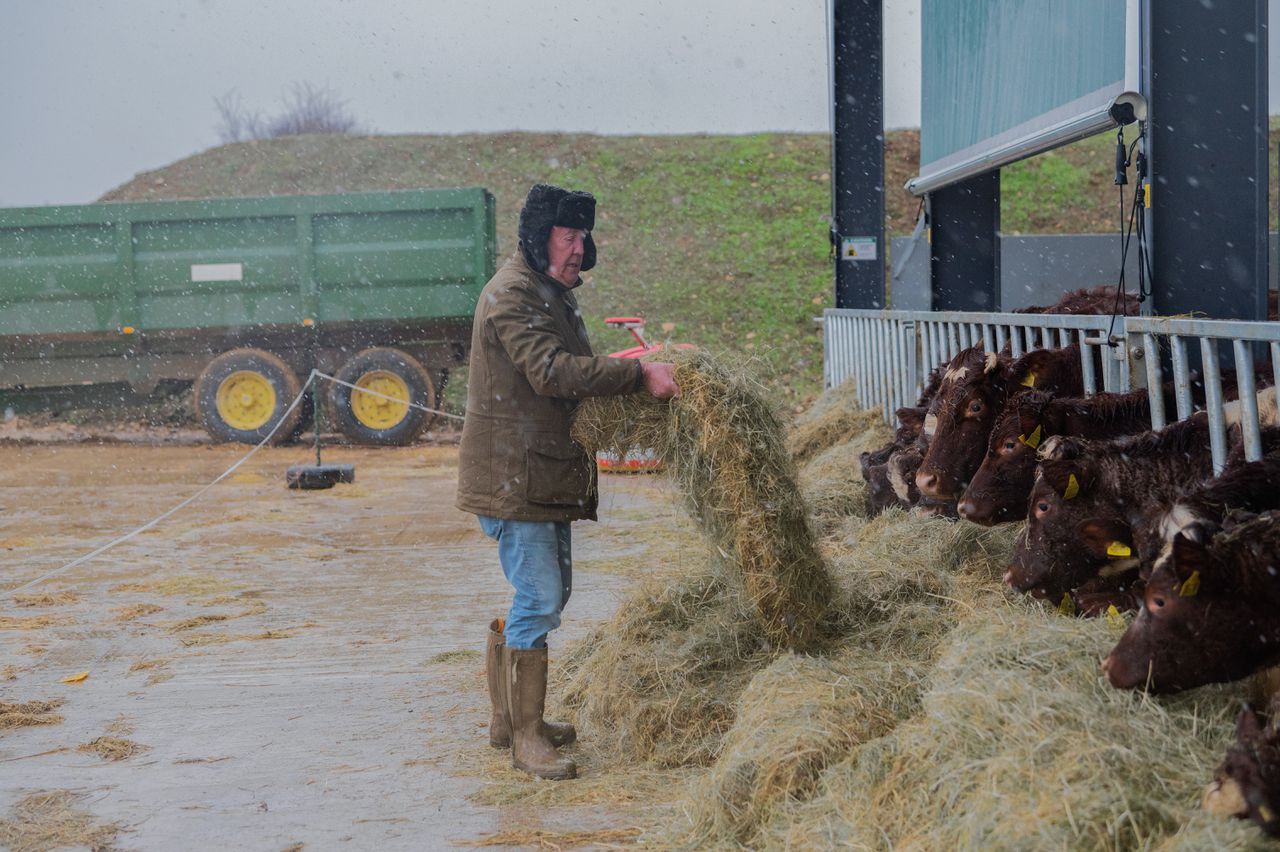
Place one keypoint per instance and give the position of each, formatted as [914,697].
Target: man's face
[564,254]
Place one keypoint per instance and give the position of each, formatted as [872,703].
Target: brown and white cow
[1211,612]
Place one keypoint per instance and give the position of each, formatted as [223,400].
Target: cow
[999,489]
[1104,508]
[1248,486]
[1087,510]
[1247,782]
[1210,614]
[975,387]
[1098,301]
[890,471]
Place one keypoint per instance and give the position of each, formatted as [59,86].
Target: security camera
[1127,108]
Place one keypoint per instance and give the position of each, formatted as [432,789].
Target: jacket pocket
[557,471]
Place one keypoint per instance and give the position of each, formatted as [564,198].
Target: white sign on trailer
[217,272]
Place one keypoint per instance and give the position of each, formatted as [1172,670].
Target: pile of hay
[54,820]
[113,748]
[723,444]
[24,714]
[1020,744]
[833,419]
[661,679]
[904,583]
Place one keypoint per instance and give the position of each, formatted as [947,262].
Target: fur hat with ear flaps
[546,206]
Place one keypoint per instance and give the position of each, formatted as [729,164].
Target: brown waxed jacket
[531,364]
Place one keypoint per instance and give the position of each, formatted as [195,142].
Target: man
[519,470]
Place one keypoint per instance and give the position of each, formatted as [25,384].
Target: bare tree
[235,122]
[306,109]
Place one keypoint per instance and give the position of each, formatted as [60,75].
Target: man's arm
[528,334]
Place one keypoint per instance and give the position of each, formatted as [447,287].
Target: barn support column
[857,151]
[964,255]
[1204,70]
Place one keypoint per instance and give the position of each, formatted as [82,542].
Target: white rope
[384,396]
[315,374]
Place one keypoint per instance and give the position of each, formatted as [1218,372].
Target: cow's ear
[911,418]
[1247,725]
[1070,478]
[1107,539]
[1028,369]
[1189,558]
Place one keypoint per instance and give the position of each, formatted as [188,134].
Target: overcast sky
[94,91]
[97,91]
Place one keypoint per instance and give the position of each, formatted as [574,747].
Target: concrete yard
[301,667]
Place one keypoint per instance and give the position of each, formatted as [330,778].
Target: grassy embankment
[717,240]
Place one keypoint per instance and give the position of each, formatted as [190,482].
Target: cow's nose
[966,509]
[1106,666]
[927,483]
[1008,577]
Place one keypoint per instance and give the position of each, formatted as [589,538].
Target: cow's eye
[1042,507]
[1159,602]
[975,407]
[1011,445]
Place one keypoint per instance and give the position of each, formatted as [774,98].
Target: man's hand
[660,379]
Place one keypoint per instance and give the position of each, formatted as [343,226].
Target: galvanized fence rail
[1161,335]
[890,353]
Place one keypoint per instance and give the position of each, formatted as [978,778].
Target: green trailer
[243,297]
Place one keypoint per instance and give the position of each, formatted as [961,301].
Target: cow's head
[1195,626]
[959,420]
[1073,533]
[999,490]
[880,493]
[1247,783]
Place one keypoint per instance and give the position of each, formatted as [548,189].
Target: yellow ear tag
[1030,380]
[1191,587]
[1073,487]
[1266,813]
[1113,616]
[1067,606]
[1032,440]
[1119,549]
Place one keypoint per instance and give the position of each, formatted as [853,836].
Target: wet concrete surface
[300,665]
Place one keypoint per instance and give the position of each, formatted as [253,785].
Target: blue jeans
[535,556]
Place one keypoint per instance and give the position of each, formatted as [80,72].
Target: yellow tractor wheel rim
[378,412]
[246,400]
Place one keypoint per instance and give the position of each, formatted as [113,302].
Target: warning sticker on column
[858,248]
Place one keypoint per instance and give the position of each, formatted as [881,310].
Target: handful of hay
[724,446]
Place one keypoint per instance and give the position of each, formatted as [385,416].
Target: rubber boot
[560,733]
[531,749]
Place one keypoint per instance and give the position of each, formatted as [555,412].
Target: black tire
[371,422]
[301,430]
[246,419]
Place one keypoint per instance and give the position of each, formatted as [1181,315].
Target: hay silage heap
[868,683]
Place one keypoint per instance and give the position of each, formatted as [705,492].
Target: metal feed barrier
[1150,336]
[890,354]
